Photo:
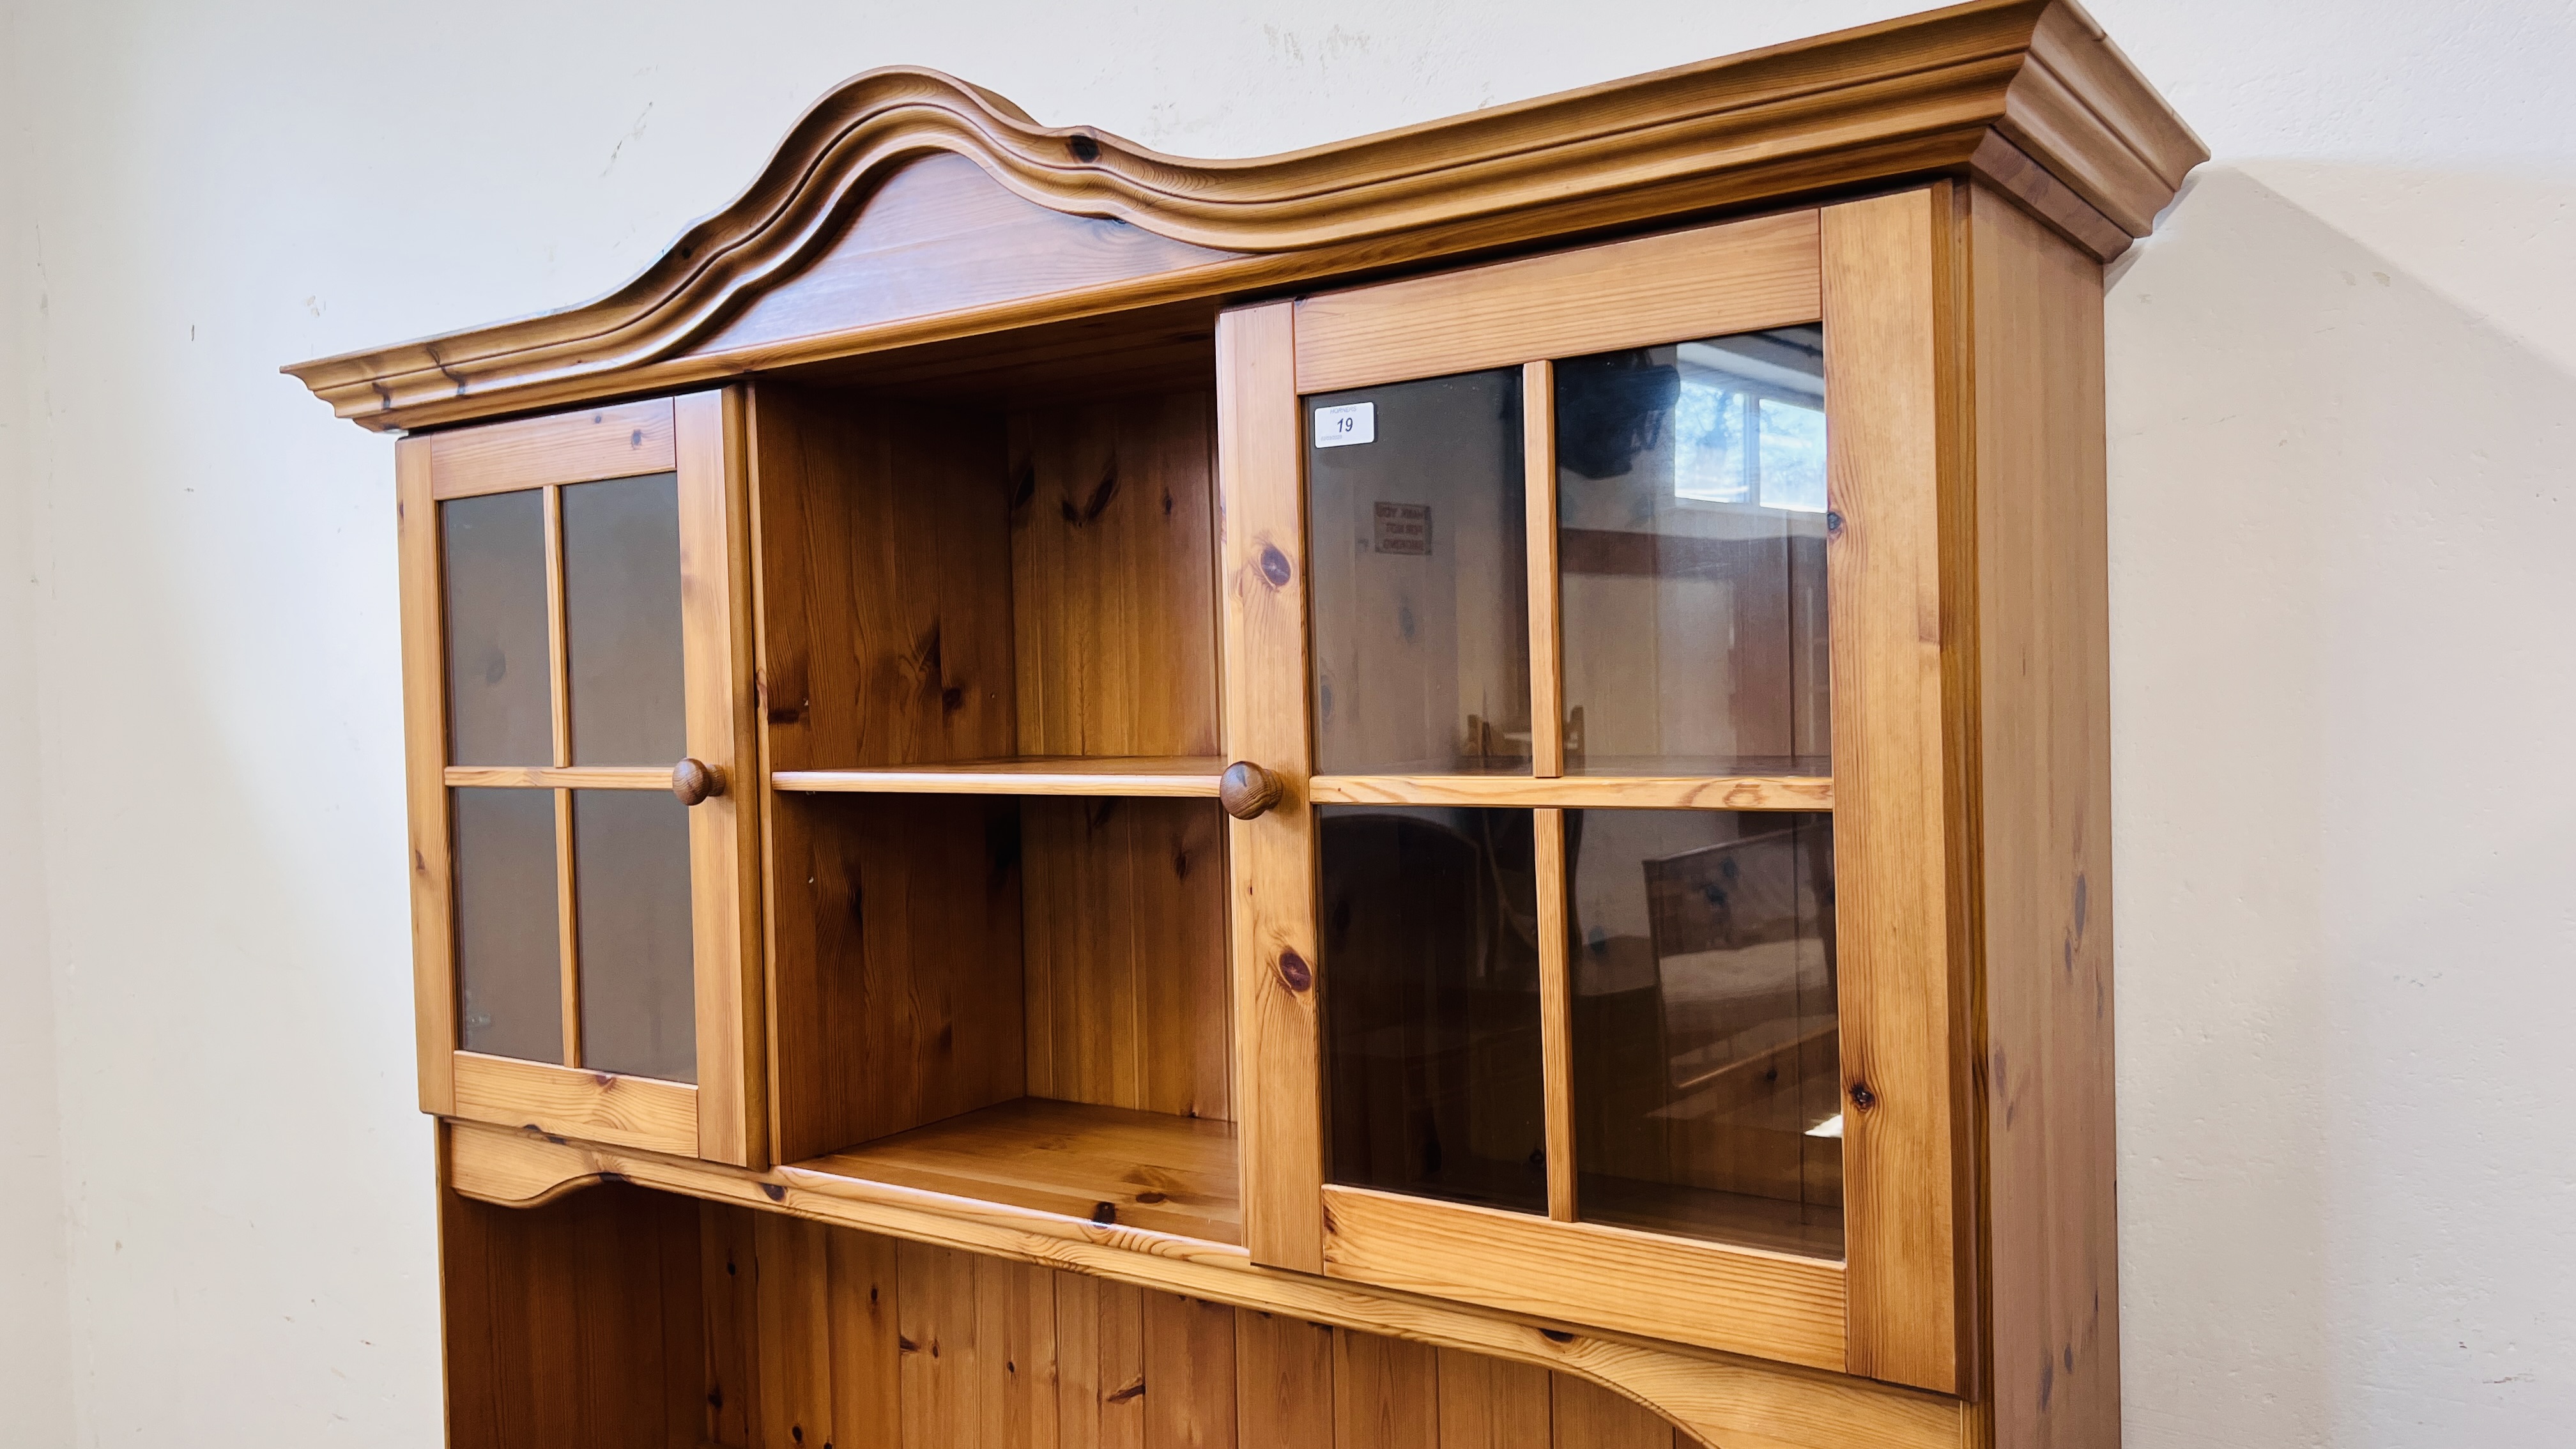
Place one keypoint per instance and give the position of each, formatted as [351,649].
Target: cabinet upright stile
[1451,789]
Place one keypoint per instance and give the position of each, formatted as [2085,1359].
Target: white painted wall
[2341,385]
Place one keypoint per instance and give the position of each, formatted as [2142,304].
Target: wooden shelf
[1021,775]
[1144,1170]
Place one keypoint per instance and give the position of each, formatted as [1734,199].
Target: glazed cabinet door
[1583,619]
[577,681]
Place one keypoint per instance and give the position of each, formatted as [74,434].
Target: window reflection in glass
[1691,543]
[1707,1072]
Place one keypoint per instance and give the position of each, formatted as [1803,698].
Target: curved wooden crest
[2026,94]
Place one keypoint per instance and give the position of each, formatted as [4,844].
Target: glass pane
[500,706]
[639,1012]
[622,620]
[1421,577]
[1430,978]
[509,960]
[1707,1076]
[1691,536]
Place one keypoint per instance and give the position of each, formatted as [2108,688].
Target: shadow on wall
[2343,534]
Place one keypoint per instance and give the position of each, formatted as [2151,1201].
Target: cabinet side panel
[1886,290]
[575,1324]
[424,662]
[2045,726]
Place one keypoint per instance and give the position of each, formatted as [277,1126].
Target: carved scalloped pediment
[867,230]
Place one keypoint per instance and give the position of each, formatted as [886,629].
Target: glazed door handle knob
[695,781]
[1247,791]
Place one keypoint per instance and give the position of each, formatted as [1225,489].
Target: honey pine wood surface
[935,955]
[2026,94]
[1125,959]
[1263,577]
[2044,793]
[710,434]
[624,1318]
[1722,1401]
[1887,305]
[1149,1170]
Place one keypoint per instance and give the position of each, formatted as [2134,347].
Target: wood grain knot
[1105,1213]
[1295,973]
[1247,791]
[1084,148]
[1833,524]
[1862,1097]
[1274,566]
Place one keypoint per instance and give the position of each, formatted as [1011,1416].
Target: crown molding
[2027,95]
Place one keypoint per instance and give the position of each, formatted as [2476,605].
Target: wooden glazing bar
[558,646]
[1547,653]
[1606,792]
[570,777]
[1174,775]
[567,929]
[1555,1015]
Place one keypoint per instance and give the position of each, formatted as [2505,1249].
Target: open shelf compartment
[998,895]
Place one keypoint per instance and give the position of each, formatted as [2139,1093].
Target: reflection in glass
[631,906]
[1691,538]
[1707,1075]
[1419,568]
[621,544]
[1430,982]
[500,704]
[509,967]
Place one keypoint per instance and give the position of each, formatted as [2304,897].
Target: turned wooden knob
[695,781]
[1246,790]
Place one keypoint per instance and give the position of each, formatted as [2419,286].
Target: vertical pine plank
[935,1311]
[1386,1392]
[1189,1373]
[1488,1403]
[865,1361]
[1283,1380]
[1121,1371]
[1588,1416]
[794,1293]
[729,1278]
[1886,294]
[1262,572]
[1014,1360]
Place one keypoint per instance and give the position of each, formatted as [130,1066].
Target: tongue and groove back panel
[648,1321]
